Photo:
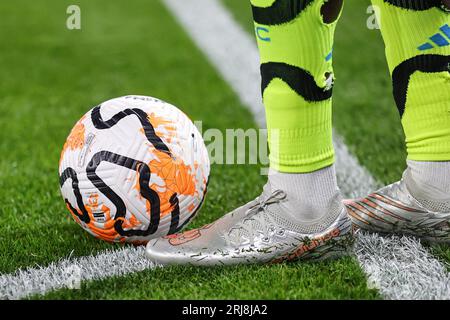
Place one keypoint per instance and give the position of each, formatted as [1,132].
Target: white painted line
[400,268]
[69,273]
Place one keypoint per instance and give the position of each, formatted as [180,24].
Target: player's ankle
[311,196]
[428,181]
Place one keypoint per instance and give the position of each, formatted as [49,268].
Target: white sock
[428,180]
[311,196]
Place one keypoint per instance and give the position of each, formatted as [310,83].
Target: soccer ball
[132,169]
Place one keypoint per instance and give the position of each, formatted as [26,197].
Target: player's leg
[417,38]
[300,213]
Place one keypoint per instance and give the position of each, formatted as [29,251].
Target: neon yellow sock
[297,76]
[417,38]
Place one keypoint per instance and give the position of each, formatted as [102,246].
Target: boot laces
[256,221]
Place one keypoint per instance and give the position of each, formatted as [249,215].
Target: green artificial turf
[51,76]
[326,280]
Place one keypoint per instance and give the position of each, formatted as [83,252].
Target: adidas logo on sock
[440,39]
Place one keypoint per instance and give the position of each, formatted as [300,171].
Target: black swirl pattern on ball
[144,181]
[140,167]
[193,214]
[70,173]
[149,131]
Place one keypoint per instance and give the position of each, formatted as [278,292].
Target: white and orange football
[132,169]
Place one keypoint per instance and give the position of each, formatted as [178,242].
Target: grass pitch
[51,76]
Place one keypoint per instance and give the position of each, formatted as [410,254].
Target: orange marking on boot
[392,202]
[187,236]
[355,215]
[385,211]
[370,214]
[309,246]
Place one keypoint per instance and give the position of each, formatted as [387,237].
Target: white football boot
[258,232]
[393,209]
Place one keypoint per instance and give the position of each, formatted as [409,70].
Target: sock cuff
[322,182]
[294,152]
[428,180]
[311,196]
